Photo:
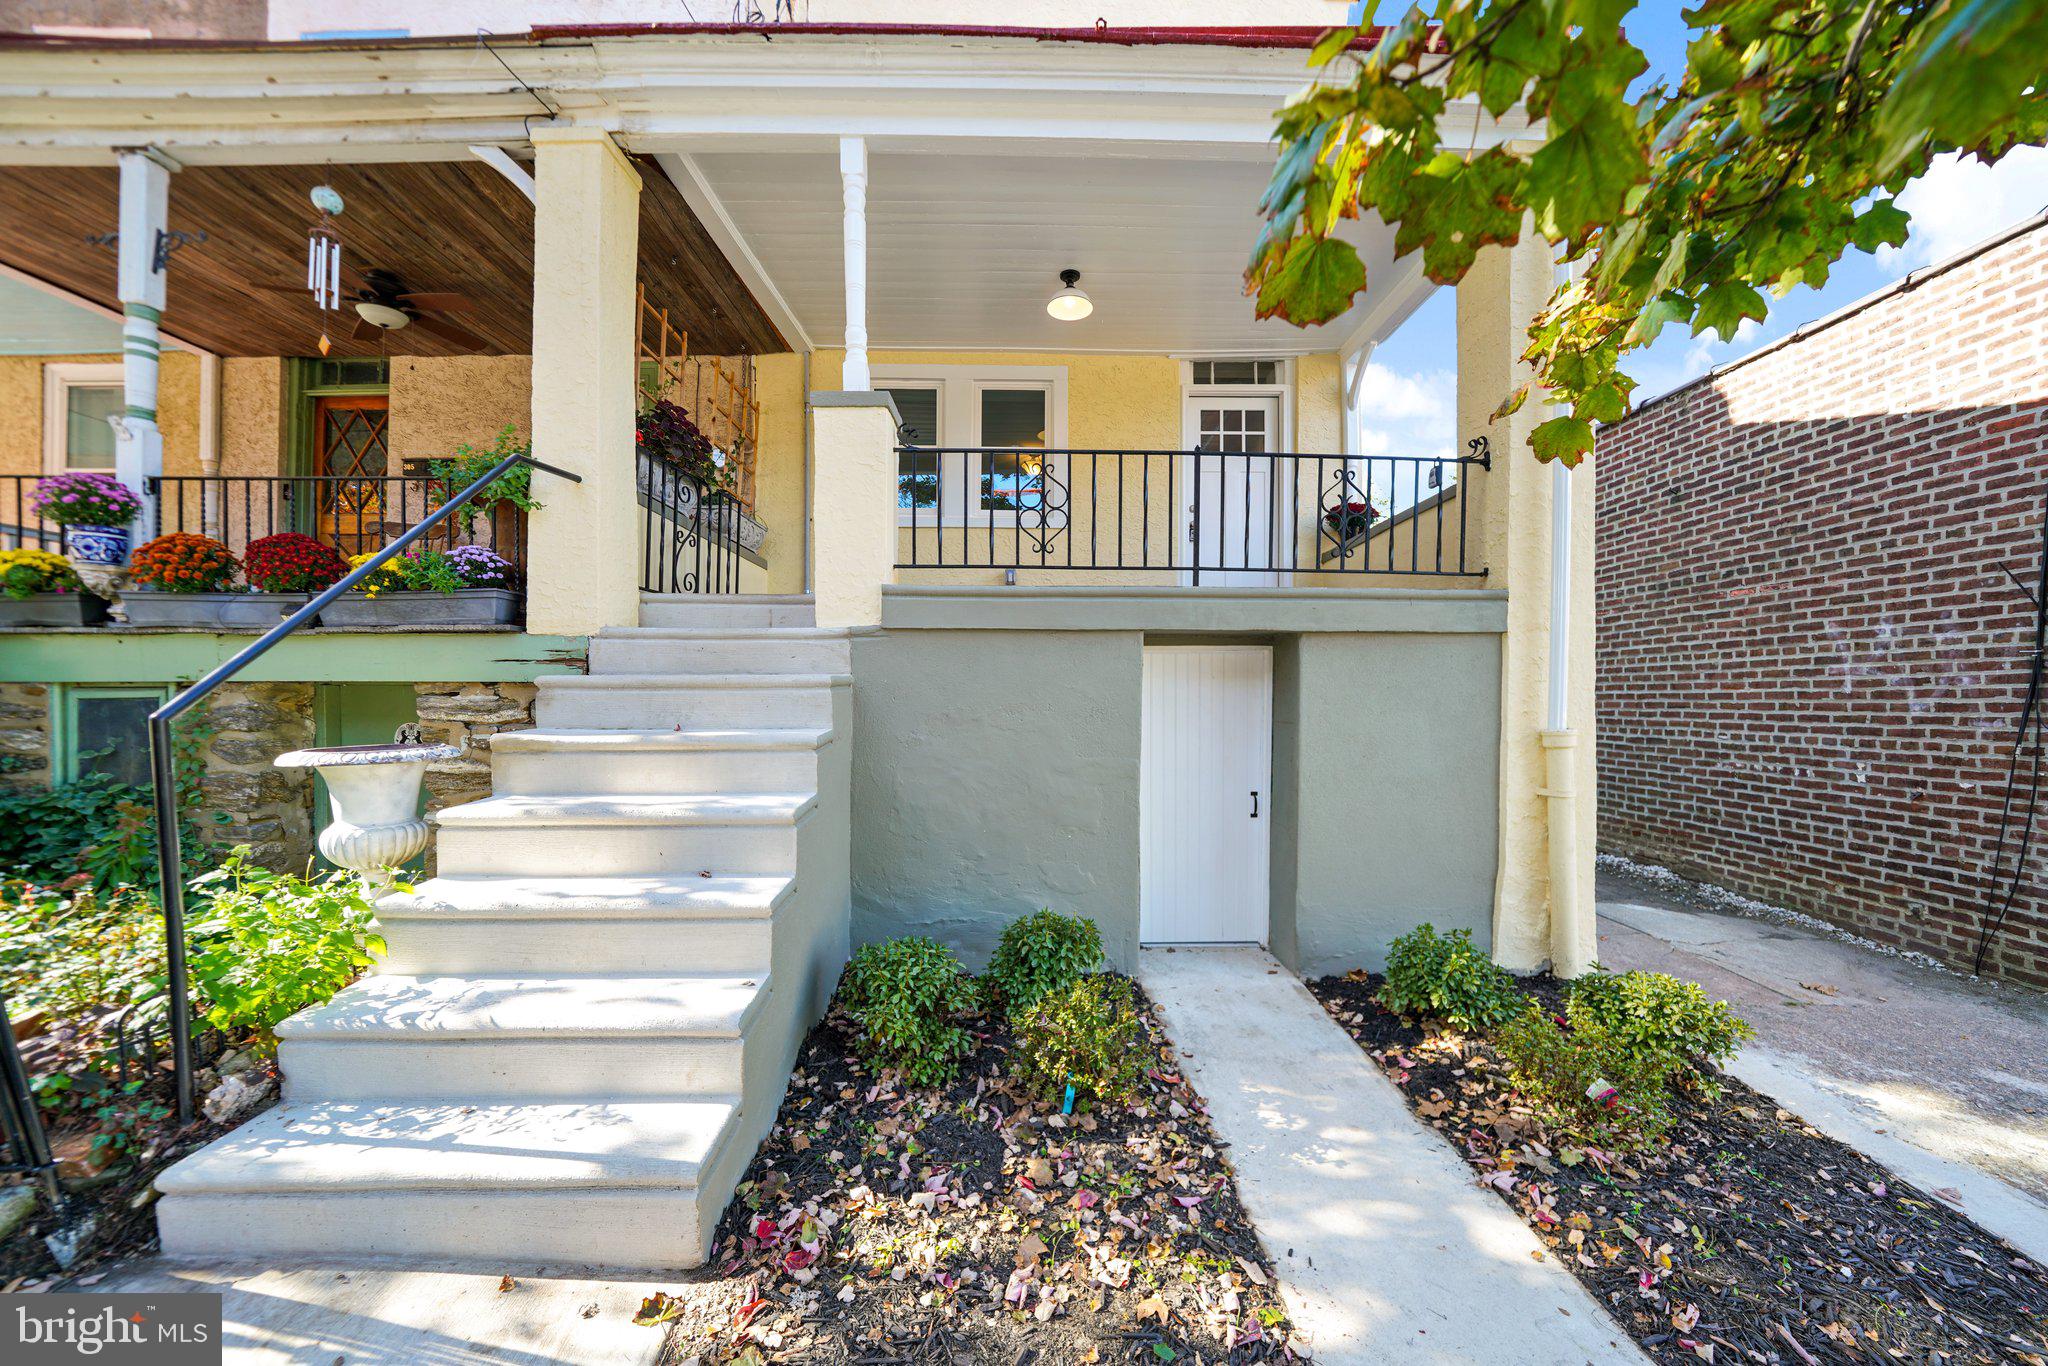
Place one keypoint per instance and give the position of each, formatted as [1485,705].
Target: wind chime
[323,255]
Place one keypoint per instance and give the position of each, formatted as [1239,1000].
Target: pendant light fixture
[1070,305]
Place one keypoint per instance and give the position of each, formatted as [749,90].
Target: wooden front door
[350,445]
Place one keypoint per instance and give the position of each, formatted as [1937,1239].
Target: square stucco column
[1503,292]
[853,518]
[583,544]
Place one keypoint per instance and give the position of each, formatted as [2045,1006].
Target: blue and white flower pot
[103,545]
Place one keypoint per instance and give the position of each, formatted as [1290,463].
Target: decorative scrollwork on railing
[1345,513]
[1044,515]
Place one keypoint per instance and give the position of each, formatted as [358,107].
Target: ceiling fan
[383,304]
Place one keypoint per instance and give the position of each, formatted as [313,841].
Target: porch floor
[1389,1251]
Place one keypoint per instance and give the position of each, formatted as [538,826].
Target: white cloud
[1961,201]
[1407,412]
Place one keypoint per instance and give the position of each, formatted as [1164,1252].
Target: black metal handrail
[28,1145]
[689,536]
[1184,511]
[170,857]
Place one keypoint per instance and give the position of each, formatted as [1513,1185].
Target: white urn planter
[375,794]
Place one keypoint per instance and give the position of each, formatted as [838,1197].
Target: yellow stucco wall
[441,402]
[21,409]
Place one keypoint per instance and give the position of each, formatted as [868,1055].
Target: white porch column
[853,181]
[583,544]
[139,281]
[1543,896]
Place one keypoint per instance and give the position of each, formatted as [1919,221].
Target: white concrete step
[513,925]
[645,702]
[707,610]
[610,1183]
[601,836]
[555,762]
[677,650]
[507,1038]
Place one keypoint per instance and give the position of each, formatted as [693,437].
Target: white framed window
[79,398]
[965,412]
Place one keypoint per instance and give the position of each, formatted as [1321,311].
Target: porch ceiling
[964,249]
[439,225]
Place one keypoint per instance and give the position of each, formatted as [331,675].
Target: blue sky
[1410,390]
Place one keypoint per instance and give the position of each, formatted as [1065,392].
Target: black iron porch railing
[689,536]
[1185,512]
[356,514]
[170,857]
[21,526]
[28,1147]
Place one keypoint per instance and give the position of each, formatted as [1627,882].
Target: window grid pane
[88,436]
[1012,417]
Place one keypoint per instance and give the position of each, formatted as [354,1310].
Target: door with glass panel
[351,432]
[1232,534]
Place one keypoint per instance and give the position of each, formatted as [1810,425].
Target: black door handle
[1255,805]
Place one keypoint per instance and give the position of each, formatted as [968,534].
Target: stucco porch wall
[996,760]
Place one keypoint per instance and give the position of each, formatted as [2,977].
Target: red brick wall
[1811,659]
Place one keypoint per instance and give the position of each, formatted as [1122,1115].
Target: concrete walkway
[1942,1078]
[389,1316]
[1388,1249]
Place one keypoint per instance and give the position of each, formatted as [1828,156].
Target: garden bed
[974,1223]
[1748,1237]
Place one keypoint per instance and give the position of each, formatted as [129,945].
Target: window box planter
[53,609]
[464,607]
[210,611]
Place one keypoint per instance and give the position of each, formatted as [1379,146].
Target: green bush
[1444,977]
[1589,1081]
[1656,1012]
[906,997]
[1086,1035]
[267,945]
[76,952]
[1041,953]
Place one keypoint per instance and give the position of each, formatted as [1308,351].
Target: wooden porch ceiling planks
[441,225]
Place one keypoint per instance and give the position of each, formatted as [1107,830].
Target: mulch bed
[882,1223]
[1751,1237]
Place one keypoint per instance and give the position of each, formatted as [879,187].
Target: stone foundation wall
[268,808]
[24,734]
[468,714]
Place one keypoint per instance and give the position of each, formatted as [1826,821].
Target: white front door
[1230,530]
[1205,774]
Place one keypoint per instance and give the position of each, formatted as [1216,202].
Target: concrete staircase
[585,1023]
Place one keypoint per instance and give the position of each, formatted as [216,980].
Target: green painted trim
[137,410]
[143,311]
[103,655]
[299,393]
[64,700]
[1257,612]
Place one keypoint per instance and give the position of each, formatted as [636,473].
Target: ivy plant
[1784,142]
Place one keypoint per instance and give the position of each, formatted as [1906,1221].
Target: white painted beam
[696,191]
[142,264]
[500,160]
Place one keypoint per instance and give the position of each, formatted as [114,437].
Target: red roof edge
[1272,36]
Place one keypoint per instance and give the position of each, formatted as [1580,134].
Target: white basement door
[1206,771]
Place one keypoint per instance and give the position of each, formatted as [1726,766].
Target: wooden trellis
[716,391]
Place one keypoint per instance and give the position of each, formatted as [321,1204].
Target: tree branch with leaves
[1785,142]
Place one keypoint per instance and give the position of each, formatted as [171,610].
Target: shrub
[85,500]
[1040,953]
[268,945]
[1589,1081]
[101,828]
[25,573]
[1656,1012]
[471,463]
[290,562]
[906,997]
[1445,977]
[76,952]
[1085,1035]
[181,562]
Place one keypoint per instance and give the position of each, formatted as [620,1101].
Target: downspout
[1572,938]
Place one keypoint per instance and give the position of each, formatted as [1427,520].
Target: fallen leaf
[505,1284]
[1824,989]
[659,1307]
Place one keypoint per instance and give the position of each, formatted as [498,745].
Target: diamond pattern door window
[353,432]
